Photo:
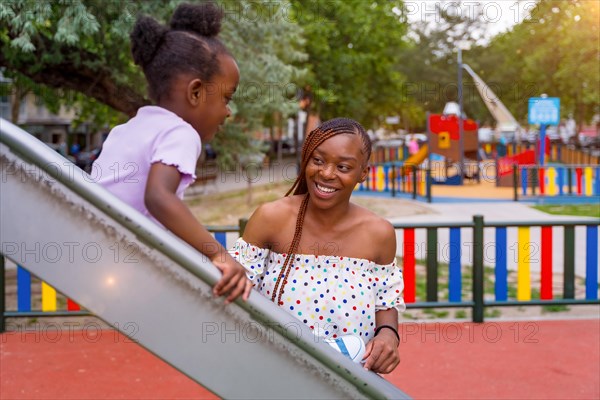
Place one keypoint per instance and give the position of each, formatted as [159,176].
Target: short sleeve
[389,287]
[179,147]
[252,258]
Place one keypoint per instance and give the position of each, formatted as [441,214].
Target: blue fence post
[221,238]
[591,263]
[455,284]
[501,271]
[524,177]
[23,289]
[561,180]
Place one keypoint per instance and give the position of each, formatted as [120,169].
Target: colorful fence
[556,152]
[523,249]
[567,180]
[465,248]
[570,155]
[383,154]
[396,178]
[51,301]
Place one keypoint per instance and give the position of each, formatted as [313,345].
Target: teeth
[324,189]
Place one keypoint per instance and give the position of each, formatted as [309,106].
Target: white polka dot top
[332,295]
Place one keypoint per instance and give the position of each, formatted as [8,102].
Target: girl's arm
[162,202]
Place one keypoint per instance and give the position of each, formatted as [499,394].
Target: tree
[82,47]
[353,51]
[430,60]
[556,50]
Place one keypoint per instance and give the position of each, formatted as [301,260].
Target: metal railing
[522,248]
[24,283]
[398,178]
[556,181]
[468,236]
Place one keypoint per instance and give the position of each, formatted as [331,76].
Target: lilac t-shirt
[153,135]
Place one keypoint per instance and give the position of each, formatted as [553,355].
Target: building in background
[56,130]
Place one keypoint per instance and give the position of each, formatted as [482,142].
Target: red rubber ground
[495,360]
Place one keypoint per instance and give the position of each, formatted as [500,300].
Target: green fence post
[428,184]
[570,180]
[478,306]
[569,263]
[432,266]
[242,224]
[2,293]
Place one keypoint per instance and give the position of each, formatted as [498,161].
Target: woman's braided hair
[315,138]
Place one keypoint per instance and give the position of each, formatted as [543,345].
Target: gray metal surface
[56,222]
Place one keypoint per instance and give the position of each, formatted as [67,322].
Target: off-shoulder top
[332,295]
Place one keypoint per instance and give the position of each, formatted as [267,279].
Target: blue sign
[544,111]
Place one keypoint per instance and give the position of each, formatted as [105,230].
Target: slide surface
[418,157]
[415,159]
[67,230]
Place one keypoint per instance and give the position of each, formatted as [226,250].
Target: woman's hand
[381,354]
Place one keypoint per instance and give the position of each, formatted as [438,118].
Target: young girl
[150,160]
[325,260]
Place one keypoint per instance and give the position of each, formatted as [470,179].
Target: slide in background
[418,157]
[60,225]
[415,159]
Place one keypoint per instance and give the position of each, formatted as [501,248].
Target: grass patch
[492,313]
[444,279]
[579,210]
[555,308]
[433,313]
[228,207]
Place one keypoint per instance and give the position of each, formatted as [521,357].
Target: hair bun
[146,38]
[204,19]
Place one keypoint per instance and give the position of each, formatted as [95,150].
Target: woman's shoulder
[280,209]
[272,220]
[377,235]
[371,222]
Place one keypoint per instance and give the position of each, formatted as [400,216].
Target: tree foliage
[430,60]
[556,51]
[354,49]
[81,48]
[355,58]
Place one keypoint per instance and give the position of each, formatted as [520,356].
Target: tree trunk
[75,72]
[18,96]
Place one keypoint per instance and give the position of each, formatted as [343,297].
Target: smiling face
[334,168]
[209,101]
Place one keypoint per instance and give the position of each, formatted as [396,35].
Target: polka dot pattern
[332,295]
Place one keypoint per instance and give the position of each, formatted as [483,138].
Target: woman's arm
[382,354]
[382,351]
[162,202]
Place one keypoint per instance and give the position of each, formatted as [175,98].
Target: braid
[315,138]
[287,265]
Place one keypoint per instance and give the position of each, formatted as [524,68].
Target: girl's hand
[234,281]
[381,354]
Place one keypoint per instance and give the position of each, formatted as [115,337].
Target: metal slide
[70,232]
